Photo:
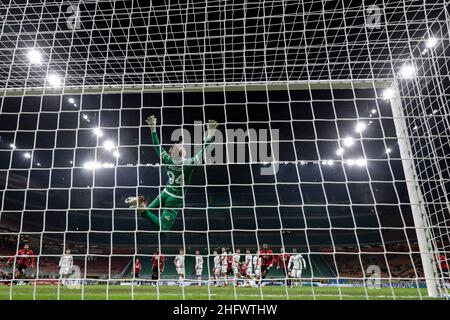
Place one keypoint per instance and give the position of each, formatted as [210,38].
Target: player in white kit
[248,267]
[217,268]
[198,267]
[257,263]
[65,266]
[296,265]
[179,265]
[236,265]
[224,266]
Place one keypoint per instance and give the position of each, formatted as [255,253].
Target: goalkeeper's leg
[168,203]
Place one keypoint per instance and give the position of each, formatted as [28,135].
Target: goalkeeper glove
[135,202]
[151,121]
[211,125]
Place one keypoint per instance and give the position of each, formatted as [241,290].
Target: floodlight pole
[415,195]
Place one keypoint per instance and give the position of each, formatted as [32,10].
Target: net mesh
[332,141]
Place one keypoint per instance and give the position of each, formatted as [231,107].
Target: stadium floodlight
[388,93]
[54,80]
[373,111]
[108,145]
[116,154]
[361,162]
[432,42]
[360,127]
[350,162]
[71,100]
[348,141]
[388,150]
[34,56]
[92,165]
[27,155]
[12,146]
[330,162]
[85,117]
[340,151]
[98,132]
[407,71]
[108,165]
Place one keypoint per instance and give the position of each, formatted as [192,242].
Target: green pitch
[116,292]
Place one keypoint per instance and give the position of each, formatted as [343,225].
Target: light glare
[98,132]
[108,145]
[432,42]
[53,80]
[348,142]
[407,71]
[92,165]
[360,127]
[34,56]
[361,162]
[388,94]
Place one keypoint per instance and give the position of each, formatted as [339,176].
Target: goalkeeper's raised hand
[212,126]
[151,121]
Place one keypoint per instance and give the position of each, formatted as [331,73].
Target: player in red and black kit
[25,259]
[158,263]
[137,268]
[444,265]
[267,260]
[229,262]
[282,263]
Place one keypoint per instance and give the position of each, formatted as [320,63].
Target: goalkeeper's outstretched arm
[211,126]
[165,158]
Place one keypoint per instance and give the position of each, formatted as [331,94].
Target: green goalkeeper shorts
[170,207]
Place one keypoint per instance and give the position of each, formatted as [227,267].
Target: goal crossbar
[202,87]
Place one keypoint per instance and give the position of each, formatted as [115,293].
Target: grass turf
[116,292]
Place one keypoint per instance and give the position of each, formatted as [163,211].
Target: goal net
[326,178]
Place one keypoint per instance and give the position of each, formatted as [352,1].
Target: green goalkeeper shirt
[179,173]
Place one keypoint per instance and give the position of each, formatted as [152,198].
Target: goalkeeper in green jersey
[179,169]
